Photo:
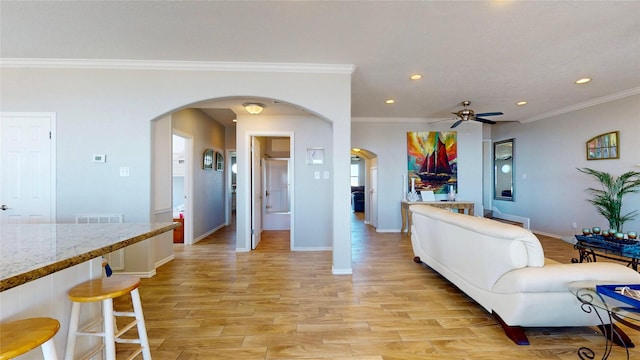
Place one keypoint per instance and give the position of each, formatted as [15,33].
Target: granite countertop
[32,251]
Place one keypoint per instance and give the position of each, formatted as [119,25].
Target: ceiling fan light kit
[467,114]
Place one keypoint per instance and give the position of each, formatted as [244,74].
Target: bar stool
[21,336]
[105,290]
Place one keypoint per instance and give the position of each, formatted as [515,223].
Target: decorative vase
[413,195]
[586,231]
[451,196]
[596,230]
[632,235]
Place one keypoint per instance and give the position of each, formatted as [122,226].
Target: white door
[256,193]
[373,197]
[27,166]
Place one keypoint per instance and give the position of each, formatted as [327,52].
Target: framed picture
[207,159]
[604,146]
[219,161]
[315,156]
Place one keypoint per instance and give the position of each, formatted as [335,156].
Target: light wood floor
[214,303]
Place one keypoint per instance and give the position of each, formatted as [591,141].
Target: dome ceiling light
[253,108]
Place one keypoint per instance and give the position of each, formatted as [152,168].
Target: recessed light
[583,81]
[389,101]
[415,77]
[520,103]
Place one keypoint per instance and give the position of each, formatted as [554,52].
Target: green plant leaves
[608,199]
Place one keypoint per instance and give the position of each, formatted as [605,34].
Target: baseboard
[525,221]
[388,230]
[320,248]
[335,271]
[147,274]
[165,260]
[555,236]
[207,233]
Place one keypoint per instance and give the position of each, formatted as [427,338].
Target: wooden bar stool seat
[21,336]
[105,290]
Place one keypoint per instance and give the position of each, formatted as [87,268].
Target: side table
[460,206]
[607,310]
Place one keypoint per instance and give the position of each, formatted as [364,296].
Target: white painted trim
[335,271]
[583,105]
[228,186]
[164,261]
[188,184]
[140,274]
[207,234]
[319,248]
[119,64]
[388,230]
[247,205]
[525,221]
[397,120]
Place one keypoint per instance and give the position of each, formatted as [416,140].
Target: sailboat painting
[433,160]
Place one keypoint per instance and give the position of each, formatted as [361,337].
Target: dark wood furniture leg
[514,333]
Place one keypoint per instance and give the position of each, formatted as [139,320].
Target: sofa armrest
[557,277]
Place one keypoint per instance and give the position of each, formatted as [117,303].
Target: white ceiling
[493,53]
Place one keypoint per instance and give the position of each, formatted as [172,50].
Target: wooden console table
[461,206]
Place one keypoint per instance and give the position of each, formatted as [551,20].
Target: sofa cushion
[557,277]
[491,230]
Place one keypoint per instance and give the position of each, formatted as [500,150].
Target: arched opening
[245,190]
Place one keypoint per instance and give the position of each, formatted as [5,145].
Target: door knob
[4,207]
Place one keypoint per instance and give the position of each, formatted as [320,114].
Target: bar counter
[31,251]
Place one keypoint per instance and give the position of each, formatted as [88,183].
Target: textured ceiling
[492,53]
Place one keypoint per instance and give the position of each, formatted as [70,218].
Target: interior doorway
[182,187]
[364,185]
[272,186]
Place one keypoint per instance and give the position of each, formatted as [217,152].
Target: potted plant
[608,200]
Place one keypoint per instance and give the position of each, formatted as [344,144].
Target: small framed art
[219,161]
[315,156]
[604,146]
[207,159]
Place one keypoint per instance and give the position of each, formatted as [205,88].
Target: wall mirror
[503,153]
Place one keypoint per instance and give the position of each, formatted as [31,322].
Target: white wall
[388,139]
[106,108]
[312,201]
[548,188]
[209,197]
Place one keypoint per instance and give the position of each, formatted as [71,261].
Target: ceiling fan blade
[486,121]
[456,124]
[490,114]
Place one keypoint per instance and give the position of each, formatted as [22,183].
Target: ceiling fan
[468,114]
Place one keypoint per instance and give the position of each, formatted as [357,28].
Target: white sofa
[502,267]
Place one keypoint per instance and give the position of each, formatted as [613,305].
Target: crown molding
[397,120]
[584,105]
[114,64]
